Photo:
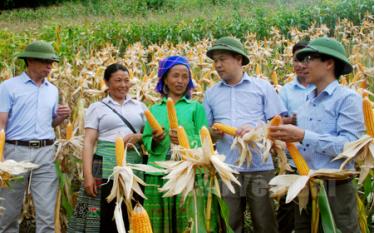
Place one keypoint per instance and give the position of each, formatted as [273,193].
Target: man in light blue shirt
[28,112]
[331,117]
[293,95]
[242,101]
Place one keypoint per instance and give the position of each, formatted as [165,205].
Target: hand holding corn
[286,133]
[173,136]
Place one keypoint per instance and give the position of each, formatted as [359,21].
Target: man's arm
[63,112]
[3,120]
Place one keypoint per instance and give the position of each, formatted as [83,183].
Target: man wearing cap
[242,101]
[293,95]
[331,117]
[28,112]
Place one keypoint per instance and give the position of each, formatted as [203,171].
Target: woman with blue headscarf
[167,214]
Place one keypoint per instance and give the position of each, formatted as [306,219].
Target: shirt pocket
[327,119]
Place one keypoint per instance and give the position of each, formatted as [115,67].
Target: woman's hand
[133,138]
[90,185]
[157,137]
[173,136]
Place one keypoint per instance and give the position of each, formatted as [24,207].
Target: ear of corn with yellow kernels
[225,128]
[69,131]
[206,137]
[153,122]
[172,115]
[2,143]
[140,220]
[182,137]
[301,164]
[119,147]
[368,114]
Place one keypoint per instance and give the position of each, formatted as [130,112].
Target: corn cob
[258,71]
[119,146]
[225,128]
[274,78]
[302,167]
[153,122]
[368,114]
[182,137]
[69,131]
[206,137]
[276,120]
[172,115]
[2,142]
[140,220]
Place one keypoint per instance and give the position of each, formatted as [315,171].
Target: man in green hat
[242,101]
[332,117]
[28,112]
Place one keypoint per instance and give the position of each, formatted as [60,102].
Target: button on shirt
[251,101]
[293,95]
[109,125]
[331,119]
[30,108]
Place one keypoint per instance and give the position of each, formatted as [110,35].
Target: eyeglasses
[44,61]
[309,58]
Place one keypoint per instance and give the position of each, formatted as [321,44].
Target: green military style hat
[229,44]
[39,49]
[330,47]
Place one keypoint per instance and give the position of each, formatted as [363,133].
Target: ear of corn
[368,114]
[258,70]
[140,220]
[69,131]
[2,143]
[172,115]
[225,128]
[182,137]
[119,147]
[274,78]
[153,122]
[301,164]
[206,138]
[276,120]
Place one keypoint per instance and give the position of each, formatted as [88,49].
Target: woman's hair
[113,68]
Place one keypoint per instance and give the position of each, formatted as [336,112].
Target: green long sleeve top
[190,114]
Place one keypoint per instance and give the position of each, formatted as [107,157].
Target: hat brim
[45,56]
[228,48]
[348,68]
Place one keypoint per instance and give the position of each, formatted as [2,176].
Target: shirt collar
[184,98]
[296,83]
[328,90]
[26,78]
[109,99]
[245,77]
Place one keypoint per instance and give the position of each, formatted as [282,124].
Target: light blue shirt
[293,94]
[331,119]
[251,102]
[30,108]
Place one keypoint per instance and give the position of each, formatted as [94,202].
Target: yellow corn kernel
[225,128]
[140,220]
[2,143]
[69,131]
[302,167]
[206,137]
[172,115]
[368,114]
[274,78]
[119,147]
[258,70]
[153,122]
[182,137]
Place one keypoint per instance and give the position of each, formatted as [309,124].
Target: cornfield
[80,82]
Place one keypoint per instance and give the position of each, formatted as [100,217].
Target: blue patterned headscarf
[165,65]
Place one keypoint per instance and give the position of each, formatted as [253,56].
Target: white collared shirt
[109,125]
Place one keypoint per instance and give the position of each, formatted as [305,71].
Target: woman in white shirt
[103,123]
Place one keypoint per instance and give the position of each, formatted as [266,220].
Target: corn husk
[298,186]
[362,152]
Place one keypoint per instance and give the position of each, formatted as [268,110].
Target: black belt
[32,143]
